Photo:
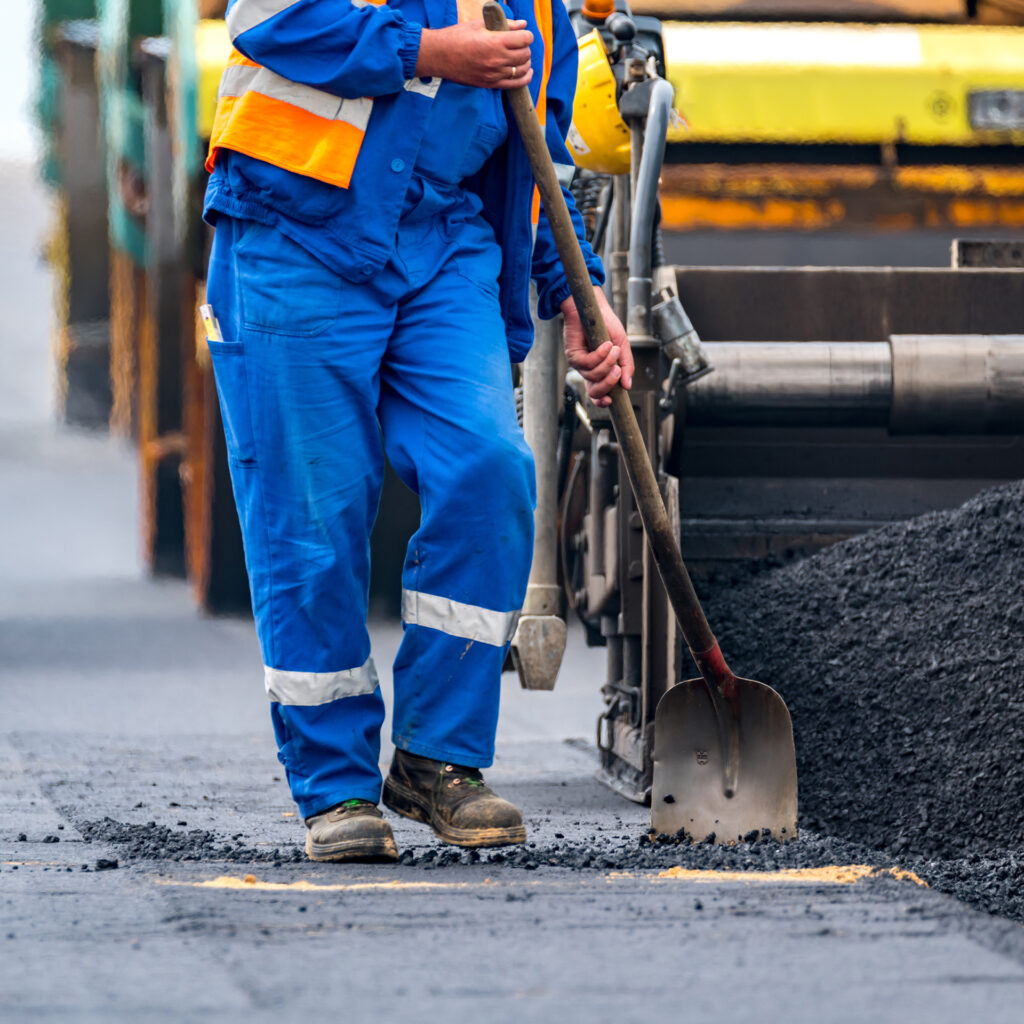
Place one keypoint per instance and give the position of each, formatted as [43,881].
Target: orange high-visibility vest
[309,131]
[301,129]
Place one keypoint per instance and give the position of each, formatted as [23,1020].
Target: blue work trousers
[317,378]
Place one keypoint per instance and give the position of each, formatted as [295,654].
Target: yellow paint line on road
[833,874]
[250,883]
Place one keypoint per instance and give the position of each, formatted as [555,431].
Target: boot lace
[339,811]
[459,775]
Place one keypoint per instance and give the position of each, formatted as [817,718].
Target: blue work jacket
[353,51]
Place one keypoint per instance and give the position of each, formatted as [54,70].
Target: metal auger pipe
[645,208]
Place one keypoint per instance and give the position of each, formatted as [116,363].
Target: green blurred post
[73,163]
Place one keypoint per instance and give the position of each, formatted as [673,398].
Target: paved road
[117,700]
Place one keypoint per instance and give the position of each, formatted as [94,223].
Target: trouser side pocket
[229,369]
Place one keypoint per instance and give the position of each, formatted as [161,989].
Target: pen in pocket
[211,323]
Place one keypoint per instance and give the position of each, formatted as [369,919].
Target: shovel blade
[693,750]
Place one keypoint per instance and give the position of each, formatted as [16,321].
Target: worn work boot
[353,830]
[452,800]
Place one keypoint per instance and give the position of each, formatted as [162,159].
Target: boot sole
[380,848]
[408,803]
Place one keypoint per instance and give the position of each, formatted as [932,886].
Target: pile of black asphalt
[900,656]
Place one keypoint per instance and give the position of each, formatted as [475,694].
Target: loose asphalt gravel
[899,655]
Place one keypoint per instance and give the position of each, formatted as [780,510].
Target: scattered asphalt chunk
[608,853]
[22,838]
[995,885]
[51,839]
[159,842]
[106,865]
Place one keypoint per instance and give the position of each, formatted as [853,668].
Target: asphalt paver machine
[783,408]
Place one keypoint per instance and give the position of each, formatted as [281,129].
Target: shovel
[724,761]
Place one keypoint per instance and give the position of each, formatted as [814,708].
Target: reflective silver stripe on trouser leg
[468,621]
[238,79]
[309,689]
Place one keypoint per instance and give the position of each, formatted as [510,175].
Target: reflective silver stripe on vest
[309,689]
[239,79]
[456,619]
[424,88]
[247,14]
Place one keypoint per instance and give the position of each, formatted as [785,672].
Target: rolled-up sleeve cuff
[409,50]
[555,298]
[550,304]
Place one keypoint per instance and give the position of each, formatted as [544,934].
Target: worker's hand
[610,364]
[469,54]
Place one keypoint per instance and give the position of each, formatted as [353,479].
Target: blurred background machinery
[888,116]
[127,94]
[855,136]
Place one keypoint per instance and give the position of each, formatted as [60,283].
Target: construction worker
[376,236]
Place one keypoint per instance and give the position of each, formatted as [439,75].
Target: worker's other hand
[609,364]
[470,54]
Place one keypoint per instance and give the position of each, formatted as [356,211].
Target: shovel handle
[660,535]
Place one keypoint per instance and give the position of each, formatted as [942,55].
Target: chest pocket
[486,139]
[464,128]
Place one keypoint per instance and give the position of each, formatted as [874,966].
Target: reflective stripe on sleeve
[425,87]
[565,173]
[247,14]
[310,689]
[238,79]
[468,621]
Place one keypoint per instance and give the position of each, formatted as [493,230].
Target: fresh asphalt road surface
[117,699]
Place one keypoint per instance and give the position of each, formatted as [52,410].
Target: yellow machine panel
[839,83]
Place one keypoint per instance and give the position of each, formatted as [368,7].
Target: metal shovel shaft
[695,789]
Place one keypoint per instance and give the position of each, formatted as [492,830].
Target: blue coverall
[318,376]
